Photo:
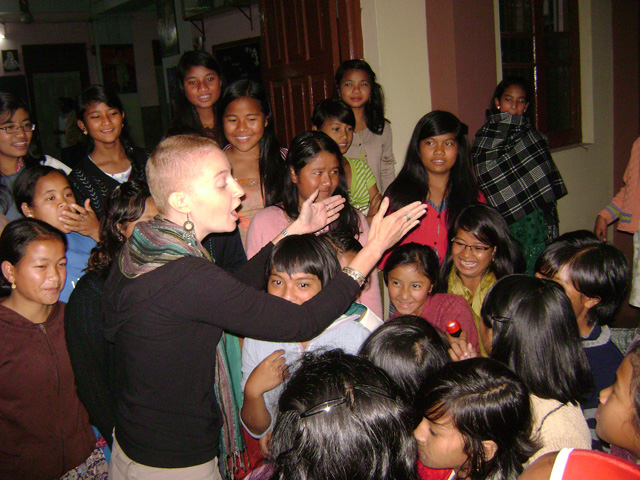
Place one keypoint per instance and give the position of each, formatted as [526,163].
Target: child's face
[202,87]
[15,145]
[355,88]
[297,288]
[470,264]
[580,303]
[322,173]
[244,123]
[440,445]
[340,132]
[513,100]
[616,412]
[51,197]
[439,153]
[409,289]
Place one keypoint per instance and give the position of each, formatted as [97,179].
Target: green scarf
[152,245]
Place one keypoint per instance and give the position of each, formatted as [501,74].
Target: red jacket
[44,429]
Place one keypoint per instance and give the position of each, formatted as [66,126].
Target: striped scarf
[152,245]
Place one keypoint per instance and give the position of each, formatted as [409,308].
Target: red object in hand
[454,329]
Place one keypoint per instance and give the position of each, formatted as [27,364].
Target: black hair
[535,333]
[363,432]
[374,108]
[595,268]
[101,94]
[489,227]
[24,186]
[270,164]
[185,116]
[304,149]
[507,82]
[332,108]
[342,242]
[486,402]
[125,204]
[17,236]
[409,349]
[423,257]
[304,254]
[412,182]
[9,103]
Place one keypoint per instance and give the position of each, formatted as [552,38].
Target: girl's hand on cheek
[81,220]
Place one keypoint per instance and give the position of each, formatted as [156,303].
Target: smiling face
[439,153]
[102,122]
[321,172]
[409,289]
[244,124]
[513,100]
[214,196]
[355,88]
[51,197]
[341,133]
[471,263]
[616,411]
[15,146]
[296,288]
[440,444]
[202,87]
[40,275]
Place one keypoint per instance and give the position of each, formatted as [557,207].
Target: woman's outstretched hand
[315,216]
[385,232]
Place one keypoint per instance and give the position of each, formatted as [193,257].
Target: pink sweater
[268,223]
[625,206]
[441,308]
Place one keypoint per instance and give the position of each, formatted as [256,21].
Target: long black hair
[305,147]
[506,83]
[185,116]
[489,227]
[486,402]
[412,182]
[270,164]
[374,108]
[535,333]
[100,94]
[9,103]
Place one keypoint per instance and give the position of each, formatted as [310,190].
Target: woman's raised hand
[315,216]
[385,232]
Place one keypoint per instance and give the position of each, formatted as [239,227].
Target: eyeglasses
[327,405]
[11,129]
[477,249]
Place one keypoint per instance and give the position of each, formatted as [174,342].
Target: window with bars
[540,42]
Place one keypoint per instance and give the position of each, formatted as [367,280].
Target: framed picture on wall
[118,67]
[239,60]
[167,28]
[10,61]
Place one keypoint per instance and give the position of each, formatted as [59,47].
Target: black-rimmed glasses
[477,249]
[11,129]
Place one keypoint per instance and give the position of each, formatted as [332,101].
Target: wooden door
[302,40]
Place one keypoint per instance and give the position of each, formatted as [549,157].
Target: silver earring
[189,227]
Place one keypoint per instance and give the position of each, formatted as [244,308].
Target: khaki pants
[123,468]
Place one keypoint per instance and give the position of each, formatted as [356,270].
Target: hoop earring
[189,227]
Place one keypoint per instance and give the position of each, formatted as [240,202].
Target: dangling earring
[13,285]
[85,132]
[189,227]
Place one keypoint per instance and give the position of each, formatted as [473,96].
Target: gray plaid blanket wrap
[514,167]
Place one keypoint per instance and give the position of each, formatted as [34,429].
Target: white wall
[395,45]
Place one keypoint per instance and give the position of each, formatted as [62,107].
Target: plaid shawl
[514,166]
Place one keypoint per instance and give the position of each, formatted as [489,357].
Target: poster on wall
[167,28]
[10,61]
[118,68]
[239,60]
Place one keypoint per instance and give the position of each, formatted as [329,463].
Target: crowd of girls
[141,342]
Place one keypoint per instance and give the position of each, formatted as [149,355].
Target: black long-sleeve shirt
[166,325]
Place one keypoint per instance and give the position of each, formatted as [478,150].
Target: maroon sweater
[44,429]
[441,308]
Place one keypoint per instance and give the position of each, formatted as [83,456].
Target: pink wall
[462,61]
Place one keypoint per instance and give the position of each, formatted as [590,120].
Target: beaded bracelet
[356,275]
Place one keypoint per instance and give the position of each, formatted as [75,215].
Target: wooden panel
[321,88]
[280,99]
[300,104]
[274,42]
[295,31]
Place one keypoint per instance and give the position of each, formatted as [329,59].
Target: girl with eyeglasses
[18,148]
[481,252]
